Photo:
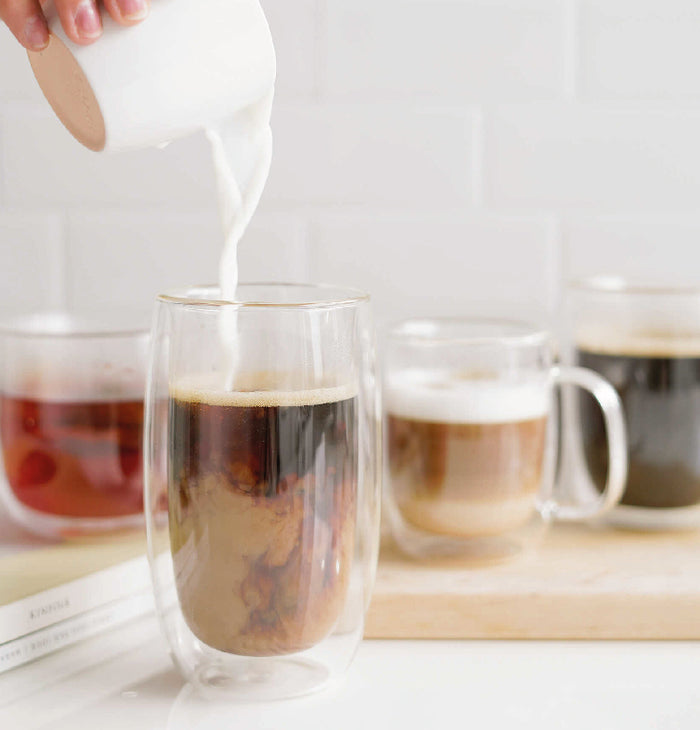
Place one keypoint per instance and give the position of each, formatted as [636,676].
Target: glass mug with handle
[471,437]
[71,422]
[644,337]
[262,498]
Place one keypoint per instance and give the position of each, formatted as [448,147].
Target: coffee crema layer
[262,503]
[658,380]
[466,457]
[252,394]
[641,342]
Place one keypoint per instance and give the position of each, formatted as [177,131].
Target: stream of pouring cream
[242,153]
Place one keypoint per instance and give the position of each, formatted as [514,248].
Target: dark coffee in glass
[658,380]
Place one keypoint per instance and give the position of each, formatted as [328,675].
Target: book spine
[49,639]
[50,607]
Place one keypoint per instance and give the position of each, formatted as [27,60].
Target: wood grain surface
[582,583]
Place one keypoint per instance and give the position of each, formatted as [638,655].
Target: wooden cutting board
[582,583]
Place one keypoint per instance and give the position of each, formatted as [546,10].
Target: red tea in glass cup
[71,426]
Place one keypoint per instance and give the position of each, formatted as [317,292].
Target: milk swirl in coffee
[262,500]
[466,451]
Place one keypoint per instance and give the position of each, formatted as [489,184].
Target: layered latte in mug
[466,451]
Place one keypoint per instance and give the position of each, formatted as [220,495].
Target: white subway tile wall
[652,248]
[31,271]
[453,156]
[563,156]
[297,32]
[137,256]
[43,165]
[446,50]
[442,264]
[640,49]
[372,155]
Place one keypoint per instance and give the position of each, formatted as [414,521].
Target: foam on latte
[464,398]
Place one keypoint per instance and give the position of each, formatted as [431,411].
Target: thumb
[26,21]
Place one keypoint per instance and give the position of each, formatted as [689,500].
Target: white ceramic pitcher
[186,67]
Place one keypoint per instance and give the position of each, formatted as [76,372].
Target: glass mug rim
[472,331]
[308,296]
[602,284]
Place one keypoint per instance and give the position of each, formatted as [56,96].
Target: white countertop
[125,680]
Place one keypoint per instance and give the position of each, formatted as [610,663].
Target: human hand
[80,18]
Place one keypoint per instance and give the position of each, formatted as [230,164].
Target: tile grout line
[309,248]
[320,35]
[311,245]
[60,279]
[3,154]
[557,271]
[477,166]
[570,33]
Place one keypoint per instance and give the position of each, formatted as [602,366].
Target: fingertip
[80,20]
[80,40]
[36,33]
[128,12]
[88,23]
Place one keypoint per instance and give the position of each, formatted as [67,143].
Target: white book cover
[43,585]
[86,625]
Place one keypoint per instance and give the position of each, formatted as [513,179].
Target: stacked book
[53,596]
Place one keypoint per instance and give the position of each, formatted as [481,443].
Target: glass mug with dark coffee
[71,423]
[471,437]
[262,438]
[646,341]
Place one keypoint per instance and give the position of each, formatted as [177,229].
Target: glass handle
[611,406]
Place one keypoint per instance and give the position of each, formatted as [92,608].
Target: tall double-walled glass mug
[262,493]
[71,422]
[644,337]
[471,437]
